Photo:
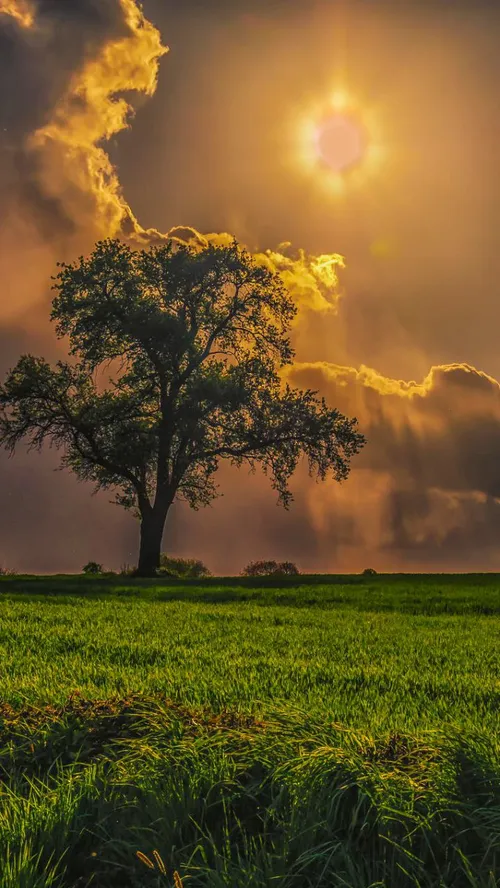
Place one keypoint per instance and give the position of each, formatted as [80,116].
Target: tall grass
[385,670]
[248,743]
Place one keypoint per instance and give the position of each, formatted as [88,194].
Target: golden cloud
[20,10]
[92,111]
[312,280]
[370,378]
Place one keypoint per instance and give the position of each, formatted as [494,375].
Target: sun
[339,143]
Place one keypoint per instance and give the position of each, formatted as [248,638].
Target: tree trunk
[150,547]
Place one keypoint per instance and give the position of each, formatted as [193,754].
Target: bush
[288,568]
[369,572]
[92,567]
[183,568]
[270,569]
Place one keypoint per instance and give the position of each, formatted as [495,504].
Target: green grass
[326,732]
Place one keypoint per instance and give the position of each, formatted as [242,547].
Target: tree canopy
[175,360]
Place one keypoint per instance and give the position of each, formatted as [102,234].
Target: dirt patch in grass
[36,738]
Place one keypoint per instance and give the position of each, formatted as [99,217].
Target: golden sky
[103,132]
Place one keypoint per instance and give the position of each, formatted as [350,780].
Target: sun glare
[339,143]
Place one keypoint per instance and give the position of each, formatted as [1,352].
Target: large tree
[176,359]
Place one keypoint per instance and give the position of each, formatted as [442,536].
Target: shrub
[92,567]
[288,568]
[369,572]
[183,568]
[270,569]
[260,569]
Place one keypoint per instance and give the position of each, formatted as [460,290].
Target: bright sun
[339,143]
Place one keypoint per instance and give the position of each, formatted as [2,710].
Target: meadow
[323,731]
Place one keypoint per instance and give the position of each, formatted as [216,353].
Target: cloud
[441,433]
[61,66]
[313,280]
[95,54]
[20,10]
[427,485]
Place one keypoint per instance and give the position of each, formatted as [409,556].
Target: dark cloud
[37,63]
[436,443]
[444,432]
[446,531]
[36,67]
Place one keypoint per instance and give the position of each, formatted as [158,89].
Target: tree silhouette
[193,341]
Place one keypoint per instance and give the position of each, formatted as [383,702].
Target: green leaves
[193,341]
[175,304]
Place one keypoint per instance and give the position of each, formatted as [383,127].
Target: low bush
[183,568]
[93,568]
[270,569]
[369,572]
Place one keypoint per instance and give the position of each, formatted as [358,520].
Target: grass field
[330,732]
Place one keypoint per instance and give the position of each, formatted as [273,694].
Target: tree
[193,341]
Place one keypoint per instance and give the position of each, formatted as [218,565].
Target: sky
[103,132]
